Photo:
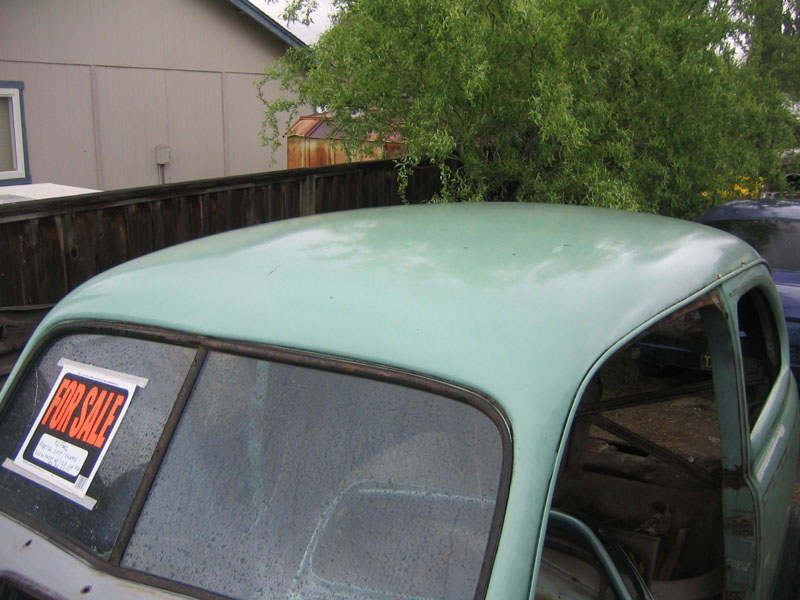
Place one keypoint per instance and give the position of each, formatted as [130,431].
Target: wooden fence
[49,247]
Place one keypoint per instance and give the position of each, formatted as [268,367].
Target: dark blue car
[773,228]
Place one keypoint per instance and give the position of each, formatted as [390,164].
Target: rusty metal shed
[316,141]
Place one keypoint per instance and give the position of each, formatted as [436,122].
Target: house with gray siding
[109,94]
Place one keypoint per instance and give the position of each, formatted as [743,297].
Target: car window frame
[203,345]
[762,440]
[755,434]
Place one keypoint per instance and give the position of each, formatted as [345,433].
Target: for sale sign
[68,439]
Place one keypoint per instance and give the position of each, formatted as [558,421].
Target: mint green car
[421,402]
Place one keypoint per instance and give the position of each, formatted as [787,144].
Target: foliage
[642,106]
[774,41]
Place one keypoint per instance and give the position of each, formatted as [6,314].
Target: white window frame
[20,172]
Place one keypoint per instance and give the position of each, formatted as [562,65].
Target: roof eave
[286,36]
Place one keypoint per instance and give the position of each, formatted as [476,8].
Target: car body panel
[788,284]
[326,283]
[748,209]
[23,553]
[769,453]
[504,299]
[355,285]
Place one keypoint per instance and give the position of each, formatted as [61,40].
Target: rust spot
[732,479]
[710,299]
[742,526]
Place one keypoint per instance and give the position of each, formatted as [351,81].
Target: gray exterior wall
[106,81]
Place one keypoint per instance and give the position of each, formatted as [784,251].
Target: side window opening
[761,354]
[644,462]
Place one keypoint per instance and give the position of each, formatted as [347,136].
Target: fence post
[308,195]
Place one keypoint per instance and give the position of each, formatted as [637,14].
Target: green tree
[642,106]
[774,41]
[773,50]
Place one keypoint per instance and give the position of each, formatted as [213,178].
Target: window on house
[12,139]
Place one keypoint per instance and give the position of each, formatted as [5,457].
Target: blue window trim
[19,85]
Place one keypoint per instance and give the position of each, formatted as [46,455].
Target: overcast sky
[307,34]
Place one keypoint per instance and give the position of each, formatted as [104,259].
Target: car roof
[753,209]
[515,300]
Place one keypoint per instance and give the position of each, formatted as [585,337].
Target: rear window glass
[777,240]
[283,481]
[278,480]
[162,366]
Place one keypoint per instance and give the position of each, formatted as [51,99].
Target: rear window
[776,240]
[279,480]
